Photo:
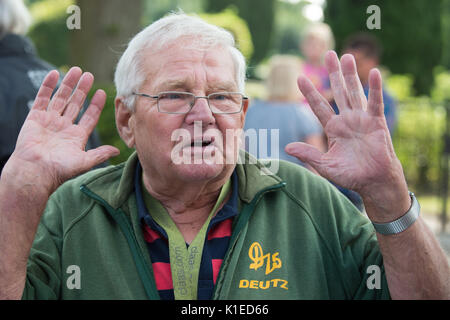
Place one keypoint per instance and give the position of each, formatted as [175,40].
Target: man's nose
[200,111]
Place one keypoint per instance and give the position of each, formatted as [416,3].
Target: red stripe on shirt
[150,235]
[221,230]
[163,275]
[216,264]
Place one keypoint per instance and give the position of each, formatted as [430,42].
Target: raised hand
[49,141]
[360,153]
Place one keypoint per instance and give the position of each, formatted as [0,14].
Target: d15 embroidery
[256,254]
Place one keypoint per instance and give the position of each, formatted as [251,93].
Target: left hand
[360,153]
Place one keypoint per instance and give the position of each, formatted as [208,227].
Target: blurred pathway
[435,225]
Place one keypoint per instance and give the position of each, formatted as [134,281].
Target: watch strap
[402,223]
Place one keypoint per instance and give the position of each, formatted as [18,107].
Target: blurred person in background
[21,74]
[315,42]
[367,52]
[282,111]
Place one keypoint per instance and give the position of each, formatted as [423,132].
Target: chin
[198,172]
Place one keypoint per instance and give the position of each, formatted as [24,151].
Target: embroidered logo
[271,261]
[256,254]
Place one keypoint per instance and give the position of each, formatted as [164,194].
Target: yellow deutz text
[255,284]
[259,259]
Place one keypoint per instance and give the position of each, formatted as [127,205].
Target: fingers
[59,100]
[355,92]
[319,105]
[375,102]
[337,80]
[45,91]
[77,99]
[92,114]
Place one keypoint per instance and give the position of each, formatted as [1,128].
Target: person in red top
[316,41]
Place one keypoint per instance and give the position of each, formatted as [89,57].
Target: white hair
[129,75]
[14,17]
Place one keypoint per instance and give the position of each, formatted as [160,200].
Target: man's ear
[245,105]
[124,122]
[246,102]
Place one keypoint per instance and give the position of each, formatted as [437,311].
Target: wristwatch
[402,223]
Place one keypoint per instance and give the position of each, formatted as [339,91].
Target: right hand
[50,145]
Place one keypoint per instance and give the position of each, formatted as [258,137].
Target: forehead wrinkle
[186,80]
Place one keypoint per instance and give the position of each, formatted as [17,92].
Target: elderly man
[213,225]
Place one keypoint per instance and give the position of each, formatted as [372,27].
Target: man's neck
[188,207]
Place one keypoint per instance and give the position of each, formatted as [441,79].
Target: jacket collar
[115,184]
[253,176]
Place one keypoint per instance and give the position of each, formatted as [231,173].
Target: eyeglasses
[175,102]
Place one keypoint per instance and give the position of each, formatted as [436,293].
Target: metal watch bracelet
[402,223]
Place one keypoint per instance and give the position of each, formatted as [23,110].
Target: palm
[50,141]
[360,151]
[356,152]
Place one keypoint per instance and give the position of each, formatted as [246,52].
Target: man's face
[313,48]
[364,64]
[165,142]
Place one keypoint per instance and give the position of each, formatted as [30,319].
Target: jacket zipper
[121,219]
[243,218]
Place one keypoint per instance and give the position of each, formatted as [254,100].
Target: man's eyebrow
[173,84]
[222,86]
[185,84]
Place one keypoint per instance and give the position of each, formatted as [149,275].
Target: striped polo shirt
[215,247]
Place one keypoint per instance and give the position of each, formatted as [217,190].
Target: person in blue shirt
[367,52]
[282,118]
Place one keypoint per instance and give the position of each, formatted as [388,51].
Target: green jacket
[296,237]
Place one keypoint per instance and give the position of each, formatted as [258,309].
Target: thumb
[305,153]
[100,154]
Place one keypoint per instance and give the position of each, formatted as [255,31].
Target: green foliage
[288,27]
[45,10]
[418,142]
[400,85]
[51,40]
[418,139]
[49,32]
[229,20]
[441,90]
[410,34]
[445,23]
[259,15]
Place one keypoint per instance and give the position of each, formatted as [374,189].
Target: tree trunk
[106,28]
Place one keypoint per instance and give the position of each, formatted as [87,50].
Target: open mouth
[200,143]
[204,142]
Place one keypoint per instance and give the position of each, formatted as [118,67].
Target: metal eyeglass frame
[193,103]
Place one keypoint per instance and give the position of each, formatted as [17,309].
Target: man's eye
[171,96]
[220,97]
